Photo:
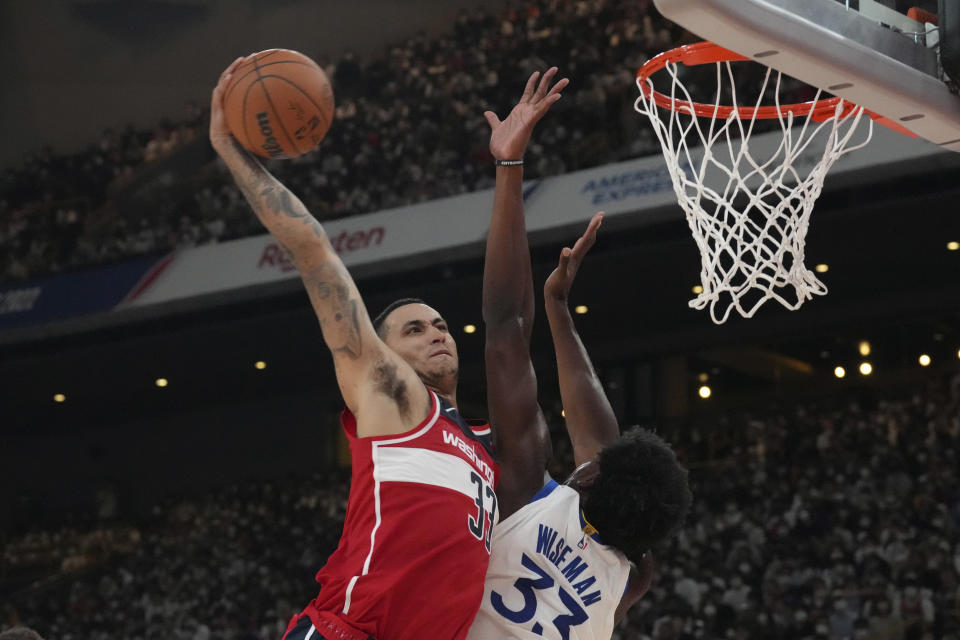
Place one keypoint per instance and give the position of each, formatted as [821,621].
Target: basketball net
[749,209]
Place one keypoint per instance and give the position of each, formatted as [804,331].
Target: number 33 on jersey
[547,579]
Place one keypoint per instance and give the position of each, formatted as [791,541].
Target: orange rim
[706,52]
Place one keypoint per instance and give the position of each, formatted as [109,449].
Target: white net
[748,208]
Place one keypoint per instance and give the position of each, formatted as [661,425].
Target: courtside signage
[429,232]
[640,188]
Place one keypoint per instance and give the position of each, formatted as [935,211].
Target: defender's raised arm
[522,437]
[590,421]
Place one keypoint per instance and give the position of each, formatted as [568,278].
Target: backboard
[866,53]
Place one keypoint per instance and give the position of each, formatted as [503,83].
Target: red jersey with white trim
[416,538]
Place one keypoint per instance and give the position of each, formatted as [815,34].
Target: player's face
[419,335]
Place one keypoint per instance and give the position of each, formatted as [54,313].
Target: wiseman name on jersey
[556,551]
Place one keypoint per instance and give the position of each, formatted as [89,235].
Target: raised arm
[590,419]
[369,374]
[507,276]
[522,438]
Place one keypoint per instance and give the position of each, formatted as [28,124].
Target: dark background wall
[149,458]
[73,67]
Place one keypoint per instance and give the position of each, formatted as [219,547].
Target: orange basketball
[279,104]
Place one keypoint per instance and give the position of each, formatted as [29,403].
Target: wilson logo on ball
[270,144]
[279,104]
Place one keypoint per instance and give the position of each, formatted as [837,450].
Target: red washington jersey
[416,539]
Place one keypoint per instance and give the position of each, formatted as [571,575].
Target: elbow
[309,253]
[503,329]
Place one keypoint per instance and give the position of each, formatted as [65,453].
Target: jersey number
[477,524]
[526,587]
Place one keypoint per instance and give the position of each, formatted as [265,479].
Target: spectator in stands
[801,541]
[411,109]
[20,633]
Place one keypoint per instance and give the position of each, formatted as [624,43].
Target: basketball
[279,104]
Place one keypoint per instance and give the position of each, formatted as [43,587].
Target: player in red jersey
[416,539]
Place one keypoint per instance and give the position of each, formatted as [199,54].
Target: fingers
[531,83]
[227,74]
[564,259]
[233,65]
[492,119]
[546,103]
[557,88]
[545,82]
[595,222]
[229,70]
[546,95]
[589,236]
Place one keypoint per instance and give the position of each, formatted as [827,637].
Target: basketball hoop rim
[706,52]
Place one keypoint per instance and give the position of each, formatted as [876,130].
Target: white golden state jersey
[547,579]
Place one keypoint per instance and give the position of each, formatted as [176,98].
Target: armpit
[387,381]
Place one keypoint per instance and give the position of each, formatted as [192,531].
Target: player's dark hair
[640,497]
[20,633]
[378,321]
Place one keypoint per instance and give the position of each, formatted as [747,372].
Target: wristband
[508,163]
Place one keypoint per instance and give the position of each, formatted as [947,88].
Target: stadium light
[59,397]
[580,309]
[866,368]
[924,360]
[703,377]
[469,328]
[864,348]
[953,245]
[162,382]
[822,268]
[260,365]
[697,289]
[704,392]
[839,372]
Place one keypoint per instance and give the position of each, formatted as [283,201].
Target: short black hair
[641,495]
[382,316]
[20,633]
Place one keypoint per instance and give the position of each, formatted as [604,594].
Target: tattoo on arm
[258,184]
[257,176]
[280,201]
[338,312]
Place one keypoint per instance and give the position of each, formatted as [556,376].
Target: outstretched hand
[509,138]
[219,130]
[557,286]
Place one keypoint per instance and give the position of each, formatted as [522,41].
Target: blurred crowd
[235,563]
[819,522]
[408,128]
[837,522]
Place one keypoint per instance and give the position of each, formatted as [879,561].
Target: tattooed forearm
[352,347]
[279,201]
[338,308]
[286,250]
[269,197]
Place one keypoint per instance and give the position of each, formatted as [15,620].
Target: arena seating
[409,128]
[834,520]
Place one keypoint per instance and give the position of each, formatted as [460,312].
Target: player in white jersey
[567,560]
